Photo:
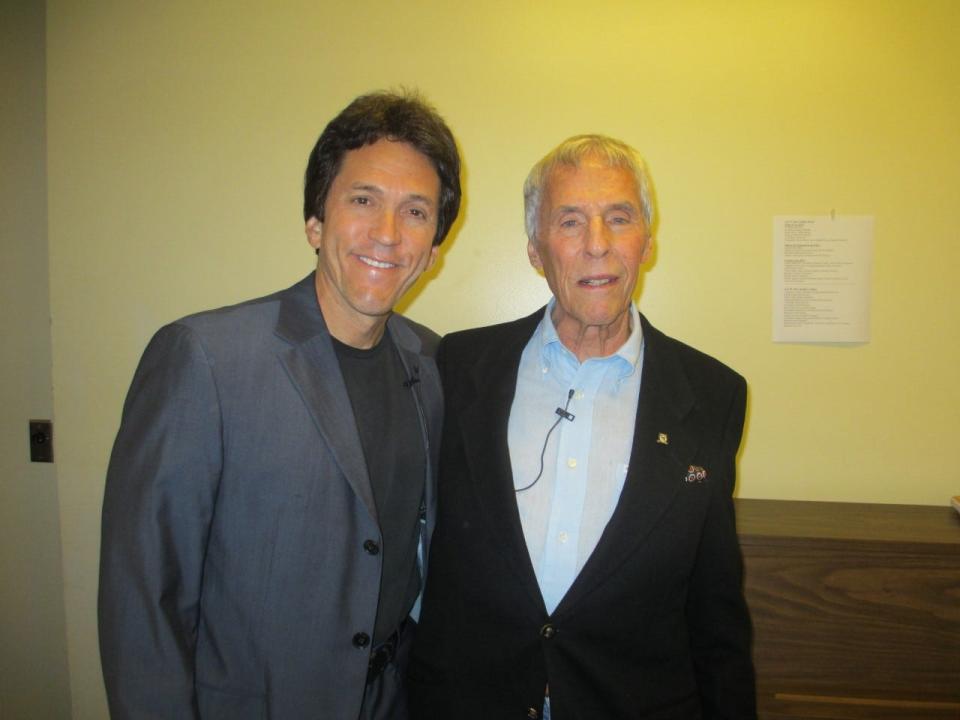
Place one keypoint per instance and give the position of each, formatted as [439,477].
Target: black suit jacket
[655,625]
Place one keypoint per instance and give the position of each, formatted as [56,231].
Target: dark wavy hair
[401,117]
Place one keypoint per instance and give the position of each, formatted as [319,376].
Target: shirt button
[371,547]
[545,369]
[361,640]
[563,537]
[571,462]
[548,631]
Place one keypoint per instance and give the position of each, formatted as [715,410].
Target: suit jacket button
[371,547]
[361,640]
[532,713]
[548,631]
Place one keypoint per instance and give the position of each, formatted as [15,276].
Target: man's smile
[380,264]
[599,281]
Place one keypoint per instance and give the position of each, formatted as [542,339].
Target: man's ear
[647,249]
[434,254]
[314,232]
[534,255]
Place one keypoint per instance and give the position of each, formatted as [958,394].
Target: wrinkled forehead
[591,181]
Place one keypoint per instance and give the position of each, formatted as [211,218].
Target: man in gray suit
[270,494]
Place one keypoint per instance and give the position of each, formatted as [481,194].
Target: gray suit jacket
[233,575]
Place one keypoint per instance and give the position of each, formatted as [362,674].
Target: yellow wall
[33,637]
[178,132]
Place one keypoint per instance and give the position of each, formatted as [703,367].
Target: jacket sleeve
[717,615]
[158,504]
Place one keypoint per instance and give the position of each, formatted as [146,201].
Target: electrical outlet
[41,441]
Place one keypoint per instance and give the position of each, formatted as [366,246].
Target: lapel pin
[662,439]
[695,474]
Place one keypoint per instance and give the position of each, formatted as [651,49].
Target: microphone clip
[562,412]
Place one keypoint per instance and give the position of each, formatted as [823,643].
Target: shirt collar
[552,351]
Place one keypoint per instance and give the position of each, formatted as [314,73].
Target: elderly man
[586,562]
[272,482]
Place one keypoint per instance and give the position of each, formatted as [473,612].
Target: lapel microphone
[414,378]
[562,412]
[563,415]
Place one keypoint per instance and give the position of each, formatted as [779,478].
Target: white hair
[571,152]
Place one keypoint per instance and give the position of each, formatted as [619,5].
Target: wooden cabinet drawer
[856,609]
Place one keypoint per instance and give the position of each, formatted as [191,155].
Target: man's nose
[386,230]
[598,237]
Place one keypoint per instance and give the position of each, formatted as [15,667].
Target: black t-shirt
[390,433]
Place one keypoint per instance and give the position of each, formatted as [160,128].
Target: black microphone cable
[563,415]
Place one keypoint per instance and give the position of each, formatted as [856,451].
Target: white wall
[33,667]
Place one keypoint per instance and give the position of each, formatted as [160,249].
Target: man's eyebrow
[417,197]
[377,190]
[625,206]
[560,209]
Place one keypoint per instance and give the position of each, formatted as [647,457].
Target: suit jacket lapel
[656,467]
[428,396]
[483,427]
[312,365]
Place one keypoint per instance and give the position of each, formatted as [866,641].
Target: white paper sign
[821,278]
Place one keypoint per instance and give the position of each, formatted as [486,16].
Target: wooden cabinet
[856,609]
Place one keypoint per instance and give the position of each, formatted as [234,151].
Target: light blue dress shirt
[585,463]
